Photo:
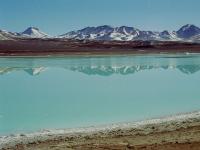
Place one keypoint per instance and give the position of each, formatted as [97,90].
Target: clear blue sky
[60,16]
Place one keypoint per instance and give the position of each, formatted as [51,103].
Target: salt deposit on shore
[170,123]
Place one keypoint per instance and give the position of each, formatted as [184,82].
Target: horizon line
[113,26]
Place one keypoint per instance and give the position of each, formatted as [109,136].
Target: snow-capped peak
[34,32]
[122,33]
[187,27]
[6,35]
[187,31]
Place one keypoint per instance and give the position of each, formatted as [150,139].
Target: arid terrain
[181,132]
[30,46]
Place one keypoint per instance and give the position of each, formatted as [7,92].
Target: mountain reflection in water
[103,65]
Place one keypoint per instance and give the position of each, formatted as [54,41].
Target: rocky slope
[187,32]
[124,33]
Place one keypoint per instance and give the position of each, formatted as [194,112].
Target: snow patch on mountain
[33,32]
[122,33]
[5,35]
[167,35]
[188,31]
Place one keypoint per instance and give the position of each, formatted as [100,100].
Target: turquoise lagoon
[66,92]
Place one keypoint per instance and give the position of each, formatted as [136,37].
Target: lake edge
[146,127]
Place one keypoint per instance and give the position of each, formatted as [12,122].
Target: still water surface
[64,92]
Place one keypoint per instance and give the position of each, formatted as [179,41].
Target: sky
[60,16]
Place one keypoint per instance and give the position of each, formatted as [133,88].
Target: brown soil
[180,139]
[81,47]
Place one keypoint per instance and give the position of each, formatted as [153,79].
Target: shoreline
[186,126]
[96,53]
[83,54]
[57,47]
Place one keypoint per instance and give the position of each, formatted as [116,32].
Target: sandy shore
[174,132]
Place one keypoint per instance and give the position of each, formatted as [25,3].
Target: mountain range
[187,32]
